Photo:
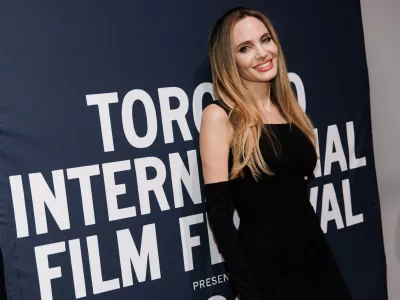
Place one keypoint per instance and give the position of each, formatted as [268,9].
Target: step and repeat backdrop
[100,176]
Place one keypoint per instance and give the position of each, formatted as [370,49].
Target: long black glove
[226,236]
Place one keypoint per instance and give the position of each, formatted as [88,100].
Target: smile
[263,65]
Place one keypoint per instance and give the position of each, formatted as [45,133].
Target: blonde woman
[258,153]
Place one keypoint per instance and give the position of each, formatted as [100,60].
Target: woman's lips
[265,67]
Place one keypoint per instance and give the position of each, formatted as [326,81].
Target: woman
[258,152]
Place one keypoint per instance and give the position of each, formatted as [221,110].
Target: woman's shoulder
[221,104]
[216,111]
[214,120]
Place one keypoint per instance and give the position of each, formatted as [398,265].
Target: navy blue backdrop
[100,178]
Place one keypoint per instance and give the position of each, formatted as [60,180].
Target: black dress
[279,251]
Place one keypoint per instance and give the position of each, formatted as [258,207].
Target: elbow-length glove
[226,236]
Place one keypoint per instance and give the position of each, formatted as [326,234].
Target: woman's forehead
[249,28]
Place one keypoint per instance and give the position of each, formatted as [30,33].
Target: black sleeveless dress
[279,234]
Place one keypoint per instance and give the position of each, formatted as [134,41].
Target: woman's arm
[214,144]
[214,151]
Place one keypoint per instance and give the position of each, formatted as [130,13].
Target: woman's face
[254,50]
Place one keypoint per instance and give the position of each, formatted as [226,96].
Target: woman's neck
[260,91]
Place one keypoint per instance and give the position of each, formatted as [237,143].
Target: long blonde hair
[245,116]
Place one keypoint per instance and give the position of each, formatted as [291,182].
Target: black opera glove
[221,222]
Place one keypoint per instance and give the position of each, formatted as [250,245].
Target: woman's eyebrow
[249,41]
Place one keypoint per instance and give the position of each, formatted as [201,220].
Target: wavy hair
[245,116]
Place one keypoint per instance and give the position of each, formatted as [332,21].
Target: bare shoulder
[214,122]
[214,113]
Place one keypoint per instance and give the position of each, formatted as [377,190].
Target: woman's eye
[243,49]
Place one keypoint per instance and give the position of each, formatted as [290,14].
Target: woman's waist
[278,229]
[272,206]
[272,216]
[284,186]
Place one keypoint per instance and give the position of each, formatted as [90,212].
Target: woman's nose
[261,52]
